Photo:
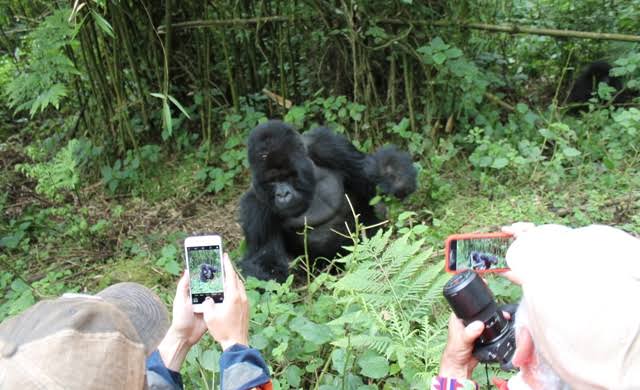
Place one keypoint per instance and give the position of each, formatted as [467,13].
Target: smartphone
[481,252]
[203,255]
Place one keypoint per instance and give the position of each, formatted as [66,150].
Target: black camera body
[471,300]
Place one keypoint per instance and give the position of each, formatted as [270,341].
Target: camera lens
[471,300]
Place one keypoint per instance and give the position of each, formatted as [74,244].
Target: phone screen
[478,253]
[205,272]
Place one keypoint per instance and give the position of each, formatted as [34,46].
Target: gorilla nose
[283,197]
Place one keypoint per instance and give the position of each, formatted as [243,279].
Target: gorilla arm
[333,151]
[266,257]
[389,168]
[327,201]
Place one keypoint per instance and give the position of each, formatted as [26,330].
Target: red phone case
[470,236]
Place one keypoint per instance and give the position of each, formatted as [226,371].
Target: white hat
[582,291]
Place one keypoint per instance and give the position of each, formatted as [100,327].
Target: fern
[42,82]
[58,175]
[391,289]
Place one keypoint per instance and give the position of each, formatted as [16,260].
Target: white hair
[546,377]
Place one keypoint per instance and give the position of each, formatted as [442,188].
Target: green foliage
[124,174]
[390,292]
[380,324]
[59,175]
[336,112]
[45,80]
[169,260]
[18,297]
[167,121]
[462,79]
[232,160]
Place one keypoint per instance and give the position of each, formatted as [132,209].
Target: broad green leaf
[167,122]
[500,163]
[293,374]
[104,25]
[169,251]
[373,366]
[209,360]
[522,108]
[570,152]
[310,331]
[177,104]
[439,58]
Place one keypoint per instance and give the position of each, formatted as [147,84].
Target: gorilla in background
[303,179]
[586,84]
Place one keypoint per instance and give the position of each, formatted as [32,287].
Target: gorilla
[586,84]
[301,180]
[207,272]
[482,261]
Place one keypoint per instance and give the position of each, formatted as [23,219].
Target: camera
[471,300]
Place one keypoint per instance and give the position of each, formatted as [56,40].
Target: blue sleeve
[242,368]
[159,376]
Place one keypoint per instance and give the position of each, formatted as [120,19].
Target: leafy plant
[336,112]
[390,292]
[168,259]
[60,174]
[233,158]
[45,80]
[125,173]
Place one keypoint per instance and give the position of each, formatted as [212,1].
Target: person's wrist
[226,344]
[451,369]
[173,349]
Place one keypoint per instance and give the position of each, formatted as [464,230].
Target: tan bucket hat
[83,341]
[581,289]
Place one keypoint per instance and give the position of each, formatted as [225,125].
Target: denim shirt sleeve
[159,377]
[242,368]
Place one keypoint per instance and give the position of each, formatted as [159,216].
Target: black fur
[302,179]
[586,84]
[207,272]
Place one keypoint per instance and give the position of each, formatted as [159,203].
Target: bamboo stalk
[226,22]
[120,23]
[408,90]
[230,79]
[513,29]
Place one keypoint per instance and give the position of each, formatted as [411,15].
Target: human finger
[473,331]
[231,289]
[242,292]
[512,277]
[518,228]
[182,290]
[230,276]
[208,309]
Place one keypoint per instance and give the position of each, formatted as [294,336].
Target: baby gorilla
[586,85]
[207,272]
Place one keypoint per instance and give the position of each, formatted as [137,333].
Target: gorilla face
[393,171]
[283,175]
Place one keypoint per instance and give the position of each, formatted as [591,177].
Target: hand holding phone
[228,322]
[203,256]
[481,252]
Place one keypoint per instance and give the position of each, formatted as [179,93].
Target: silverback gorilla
[298,179]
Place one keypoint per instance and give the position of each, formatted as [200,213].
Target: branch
[226,22]
[512,29]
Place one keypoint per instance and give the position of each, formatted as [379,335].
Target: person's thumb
[473,331]
[208,309]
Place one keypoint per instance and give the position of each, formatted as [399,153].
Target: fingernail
[475,326]
[208,299]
